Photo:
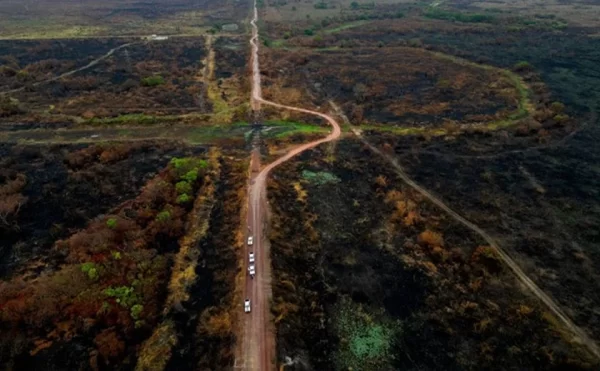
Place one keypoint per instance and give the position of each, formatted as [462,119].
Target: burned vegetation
[154,78]
[111,246]
[393,86]
[385,280]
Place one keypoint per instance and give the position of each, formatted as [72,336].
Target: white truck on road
[250,241]
[247,306]
[252,270]
[251,258]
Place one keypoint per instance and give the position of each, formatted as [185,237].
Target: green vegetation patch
[155,80]
[291,127]
[366,338]
[346,26]
[320,178]
[132,118]
[459,17]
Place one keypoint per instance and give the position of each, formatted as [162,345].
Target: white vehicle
[247,306]
[252,270]
[251,257]
[250,240]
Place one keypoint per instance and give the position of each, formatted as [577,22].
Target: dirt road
[256,348]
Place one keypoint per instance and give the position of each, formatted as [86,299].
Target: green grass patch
[151,81]
[346,26]
[279,43]
[132,118]
[319,178]
[366,337]
[292,127]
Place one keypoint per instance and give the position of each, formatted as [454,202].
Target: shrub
[179,163]
[202,164]
[123,295]
[111,223]
[22,75]
[163,216]
[136,310]
[431,238]
[561,118]
[183,187]
[309,32]
[557,107]
[153,80]
[523,66]
[182,199]
[91,271]
[190,176]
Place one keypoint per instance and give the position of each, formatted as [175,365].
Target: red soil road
[256,345]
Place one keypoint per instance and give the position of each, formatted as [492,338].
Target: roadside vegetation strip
[580,335]
[156,351]
[346,26]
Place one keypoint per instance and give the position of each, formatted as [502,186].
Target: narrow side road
[69,73]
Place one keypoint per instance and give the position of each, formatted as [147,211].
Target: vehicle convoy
[247,306]
[251,257]
[250,240]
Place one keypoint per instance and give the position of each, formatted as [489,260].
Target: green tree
[190,176]
[183,199]
[183,187]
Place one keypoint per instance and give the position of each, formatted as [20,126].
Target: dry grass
[156,351]
[183,275]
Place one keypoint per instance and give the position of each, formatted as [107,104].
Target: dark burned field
[542,203]
[393,86]
[384,280]
[140,82]
[160,77]
[112,254]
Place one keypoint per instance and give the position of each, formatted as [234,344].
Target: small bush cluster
[155,80]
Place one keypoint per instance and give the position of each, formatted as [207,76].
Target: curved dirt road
[256,348]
